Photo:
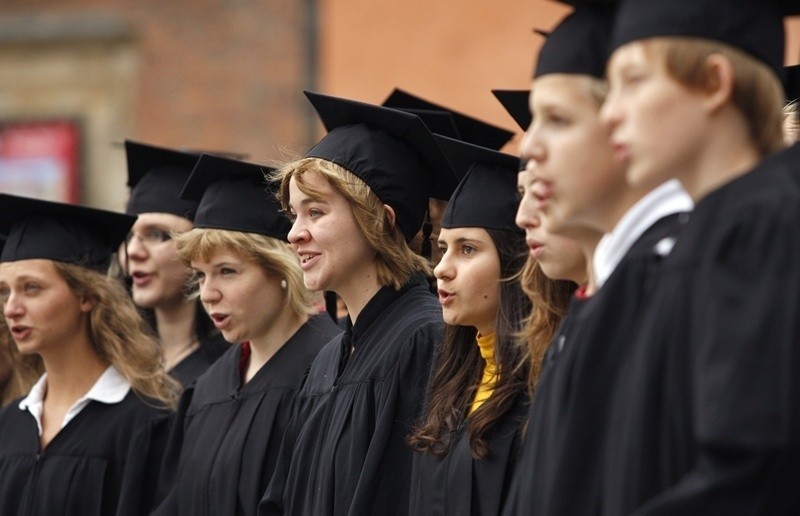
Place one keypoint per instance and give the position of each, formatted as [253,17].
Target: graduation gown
[458,484]
[560,462]
[103,462]
[211,348]
[345,450]
[705,416]
[232,432]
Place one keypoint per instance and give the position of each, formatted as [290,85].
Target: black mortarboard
[755,27]
[516,103]
[459,126]
[579,44]
[60,232]
[156,177]
[792,82]
[234,195]
[390,150]
[487,195]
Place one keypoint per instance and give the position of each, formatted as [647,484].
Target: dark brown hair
[458,366]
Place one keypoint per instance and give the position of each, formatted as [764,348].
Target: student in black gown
[231,422]
[357,197]
[705,416]
[188,339]
[86,438]
[467,439]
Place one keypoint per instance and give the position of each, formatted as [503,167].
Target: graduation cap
[456,125]
[579,44]
[390,150]
[516,103]
[60,232]
[755,27]
[156,177]
[486,197]
[234,195]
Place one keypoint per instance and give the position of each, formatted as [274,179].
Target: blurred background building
[77,77]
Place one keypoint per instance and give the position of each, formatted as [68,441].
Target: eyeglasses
[149,236]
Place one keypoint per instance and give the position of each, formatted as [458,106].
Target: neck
[176,331]
[71,371]
[264,347]
[609,216]
[730,153]
[588,246]
[357,293]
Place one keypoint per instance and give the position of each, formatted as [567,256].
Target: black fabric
[60,232]
[487,196]
[103,462]
[156,177]
[453,125]
[579,44]
[705,413]
[344,451]
[234,195]
[754,27]
[516,103]
[390,150]
[190,368]
[231,433]
[560,461]
[460,484]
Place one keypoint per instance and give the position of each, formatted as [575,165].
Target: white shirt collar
[110,388]
[663,200]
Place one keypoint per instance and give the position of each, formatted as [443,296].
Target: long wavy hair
[118,334]
[459,365]
[550,300]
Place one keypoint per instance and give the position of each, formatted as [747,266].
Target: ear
[719,87]
[389,214]
[87,303]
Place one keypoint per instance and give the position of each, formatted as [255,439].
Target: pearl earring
[284,285]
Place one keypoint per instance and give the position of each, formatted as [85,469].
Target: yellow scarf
[489,379]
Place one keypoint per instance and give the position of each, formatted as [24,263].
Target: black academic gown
[458,484]
[231,433]
[103,462]
[345,452]
[559,470]
[705,415]
[190,368]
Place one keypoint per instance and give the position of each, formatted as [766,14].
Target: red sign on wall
[41,159]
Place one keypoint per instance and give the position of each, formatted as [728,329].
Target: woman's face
[41,311]
[560,257]
[657,125]
[468,278]
[568,149]
[158,275]
[241,297]
[332,250]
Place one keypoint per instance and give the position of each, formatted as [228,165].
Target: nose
[209,293]
[444,270]
[610,114]
[527,212]
[12,307]
[135,249]
[298,233]
[531,147]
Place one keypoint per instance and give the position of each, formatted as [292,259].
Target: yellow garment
[489,379]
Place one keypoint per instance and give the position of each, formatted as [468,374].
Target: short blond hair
[757,90]
[396,262]
[273,255]
[791,122]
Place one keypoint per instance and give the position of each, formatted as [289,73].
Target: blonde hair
[757,91]
[791,122]
[272,254]
[118,334]
[396,262]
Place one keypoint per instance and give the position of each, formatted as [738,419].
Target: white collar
[110,388]
[663,200]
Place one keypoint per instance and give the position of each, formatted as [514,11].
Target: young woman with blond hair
[84,440]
